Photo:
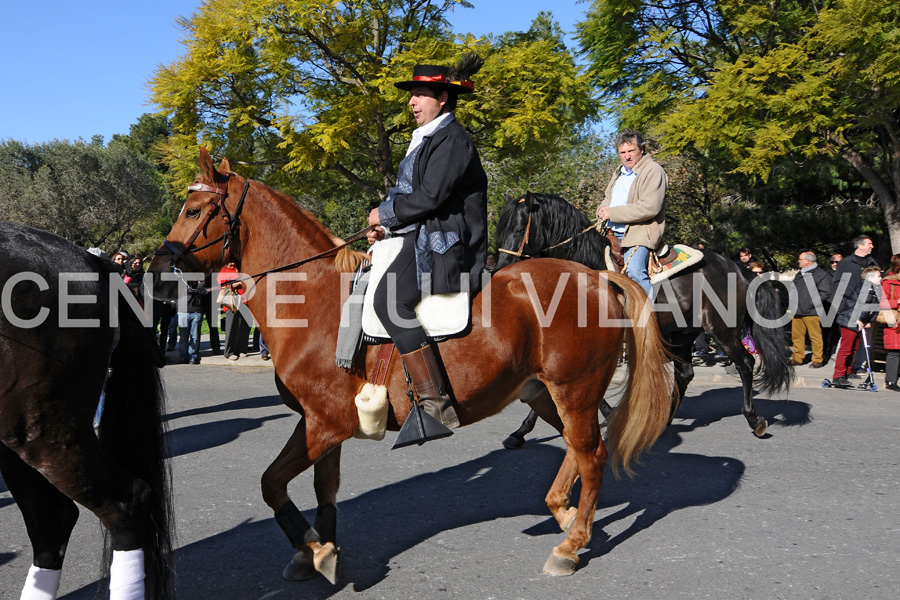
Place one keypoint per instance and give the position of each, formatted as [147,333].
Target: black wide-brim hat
[436,78]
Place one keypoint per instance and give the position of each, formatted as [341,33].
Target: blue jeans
[189,335]
[636,259]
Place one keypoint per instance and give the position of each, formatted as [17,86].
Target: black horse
[715,296]
[58,338]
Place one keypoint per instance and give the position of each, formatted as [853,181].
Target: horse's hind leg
[558,498]
[587,456]
[75,466]
[743,362]
[49,518]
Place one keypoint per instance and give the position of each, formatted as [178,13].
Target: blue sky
[76,69]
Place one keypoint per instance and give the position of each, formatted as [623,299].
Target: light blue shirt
[620,197]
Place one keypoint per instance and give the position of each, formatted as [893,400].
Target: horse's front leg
[683,369]
[322,556]
[316,553]
[516,439]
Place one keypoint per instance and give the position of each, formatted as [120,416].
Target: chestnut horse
[539,342]
[714,296]
[58,338]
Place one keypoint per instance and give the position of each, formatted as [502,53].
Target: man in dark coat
[848,274]
[439,208]
[849,271]
[813,285]
[861,302]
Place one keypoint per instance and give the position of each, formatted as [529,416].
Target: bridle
[597,224]
[518,253]
[232,223]
[232,232]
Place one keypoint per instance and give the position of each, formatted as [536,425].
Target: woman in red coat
[891,287]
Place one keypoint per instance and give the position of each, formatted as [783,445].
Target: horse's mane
[555,220]
[346,260]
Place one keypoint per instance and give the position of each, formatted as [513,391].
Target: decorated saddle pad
[440,314]
[684,257]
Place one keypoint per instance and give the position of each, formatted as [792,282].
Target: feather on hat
[450,79]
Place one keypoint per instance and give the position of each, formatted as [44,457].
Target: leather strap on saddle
[661,259]
[382,364]
[615,251]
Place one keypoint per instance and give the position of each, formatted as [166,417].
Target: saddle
[662,264]
[441,315]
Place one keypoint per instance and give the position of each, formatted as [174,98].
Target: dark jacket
[853,265]
[819,280]
[196,296]
[449,195]
[849,301]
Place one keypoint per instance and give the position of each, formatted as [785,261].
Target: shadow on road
[379,525]
[714,405]
[194,438]
[500,485]
[243,404]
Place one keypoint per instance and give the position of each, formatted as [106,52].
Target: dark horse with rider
[694,291]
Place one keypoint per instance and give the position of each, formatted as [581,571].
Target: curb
[805,376]
[252,359]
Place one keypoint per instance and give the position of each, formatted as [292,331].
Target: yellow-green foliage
[308,85]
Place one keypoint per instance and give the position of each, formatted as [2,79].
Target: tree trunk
[888,198]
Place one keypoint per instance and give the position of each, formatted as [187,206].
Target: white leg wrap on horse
[126,575]
[41,584]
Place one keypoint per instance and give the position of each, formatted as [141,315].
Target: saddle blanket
[440,314]
[685,257]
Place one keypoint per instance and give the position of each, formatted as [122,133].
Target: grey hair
[810,256]
[860,240]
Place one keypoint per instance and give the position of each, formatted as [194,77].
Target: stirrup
[420,427]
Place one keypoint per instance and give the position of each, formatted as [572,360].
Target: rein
[347,241]
[232,227]
[595,224]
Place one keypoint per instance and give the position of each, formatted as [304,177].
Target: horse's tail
[776,373]
[643,412]
[132,434]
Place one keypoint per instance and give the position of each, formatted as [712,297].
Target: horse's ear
[225,167]
[206,166]
[528,198]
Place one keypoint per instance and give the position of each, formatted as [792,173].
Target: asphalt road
[809,512]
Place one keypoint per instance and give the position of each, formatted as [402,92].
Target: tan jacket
[645,213]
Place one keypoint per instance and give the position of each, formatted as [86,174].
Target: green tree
[757,85]
[300,93]
[87,193]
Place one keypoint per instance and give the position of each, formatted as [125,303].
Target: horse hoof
[513,442]
[559,566]
[327,561]
[300,568]
[761,427]
[568,518]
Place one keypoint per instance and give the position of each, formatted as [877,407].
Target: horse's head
[515,230]
[206,234]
